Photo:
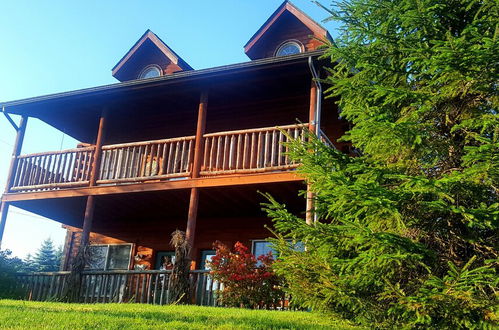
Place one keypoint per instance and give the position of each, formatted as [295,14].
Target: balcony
[224,153]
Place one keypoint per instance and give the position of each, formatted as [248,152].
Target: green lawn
[27,314]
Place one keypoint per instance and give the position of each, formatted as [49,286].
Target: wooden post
[196,168]
[4,209]
[18,144]
[73,287]
[309,216]
[94,174]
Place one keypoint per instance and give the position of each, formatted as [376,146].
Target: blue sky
[55,46]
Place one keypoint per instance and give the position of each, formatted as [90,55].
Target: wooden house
[170,147]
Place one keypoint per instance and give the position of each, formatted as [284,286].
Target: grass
[16,314]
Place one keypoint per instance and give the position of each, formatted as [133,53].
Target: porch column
[18,144]
[309,217]
[94,175]
[196,168]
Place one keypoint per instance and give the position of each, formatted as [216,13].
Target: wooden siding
[288,27]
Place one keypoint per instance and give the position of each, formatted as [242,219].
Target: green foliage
[47,258]
[9,266]
[37,315]
[408,230]
[248,281]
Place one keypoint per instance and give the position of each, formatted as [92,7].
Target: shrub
[247,281]
[9,266]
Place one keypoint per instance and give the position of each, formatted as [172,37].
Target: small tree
[47,258]
[29,264]
[247,281]
[9,266]
[179,279]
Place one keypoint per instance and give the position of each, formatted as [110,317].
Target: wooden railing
[149,287]
[49,170]
[244,151]
[149,160]
[248,151]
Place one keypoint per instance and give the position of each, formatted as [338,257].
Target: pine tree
[408,230]
[29,264]
[46,258]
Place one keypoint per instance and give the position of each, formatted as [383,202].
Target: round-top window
[150,71]
[288,48]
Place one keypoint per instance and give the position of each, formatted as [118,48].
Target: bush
[9,266]
[247,281]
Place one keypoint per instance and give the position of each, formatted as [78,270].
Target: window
[289,48]
[164,260]
[108,257]
[261,247]
[150,71]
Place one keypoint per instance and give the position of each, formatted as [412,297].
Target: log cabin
[170,147]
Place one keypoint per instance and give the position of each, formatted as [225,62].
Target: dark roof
[77,112]
[160,44]
[177,76]
[288,4]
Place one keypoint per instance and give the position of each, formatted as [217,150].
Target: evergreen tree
[29,264]
[9,266]
[408,230]
[46,258]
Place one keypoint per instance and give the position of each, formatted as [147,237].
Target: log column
[309,217]
[4,207]
[196,168]
[94,174]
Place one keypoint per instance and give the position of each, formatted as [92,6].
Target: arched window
[150,71]
[289,48]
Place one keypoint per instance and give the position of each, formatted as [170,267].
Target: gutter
[175,77]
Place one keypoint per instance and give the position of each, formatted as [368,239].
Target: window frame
[106,261]
[290,41]
[144,70]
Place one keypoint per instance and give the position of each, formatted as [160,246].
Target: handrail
[145,143]
[65,151]
[255,130]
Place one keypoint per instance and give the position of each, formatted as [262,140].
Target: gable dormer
[149,57]
[287,31]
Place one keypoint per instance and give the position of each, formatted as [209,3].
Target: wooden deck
[251,151]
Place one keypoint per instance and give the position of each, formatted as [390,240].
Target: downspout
[318,104]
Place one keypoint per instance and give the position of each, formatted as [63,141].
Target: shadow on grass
[198,316]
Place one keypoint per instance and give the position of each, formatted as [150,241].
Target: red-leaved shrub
[247,281]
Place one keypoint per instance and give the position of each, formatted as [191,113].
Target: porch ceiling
[169,205]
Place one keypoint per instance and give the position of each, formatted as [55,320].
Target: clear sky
[55,46]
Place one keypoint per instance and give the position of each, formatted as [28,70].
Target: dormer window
[150,71]
[289,48]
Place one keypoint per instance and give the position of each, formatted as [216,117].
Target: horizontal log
[255,130]
[147,143]
[250,170]
[52,185]
[144,178]
[205,182]
[67,151]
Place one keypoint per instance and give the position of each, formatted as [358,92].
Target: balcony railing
[231,152]
[125,286]
[118,286]
[53,170]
